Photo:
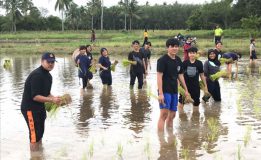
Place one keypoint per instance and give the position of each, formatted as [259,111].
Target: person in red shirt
[186,46]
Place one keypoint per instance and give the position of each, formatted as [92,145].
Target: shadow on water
[107,106]
[139,112]
[86,112]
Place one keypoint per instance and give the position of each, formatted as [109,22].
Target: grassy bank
[118,42]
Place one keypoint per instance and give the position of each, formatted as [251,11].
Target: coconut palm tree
[13,11]
[62,5]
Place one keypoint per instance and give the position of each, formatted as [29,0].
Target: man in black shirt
[138,66]
[169,70]
[146,55]
[36,92]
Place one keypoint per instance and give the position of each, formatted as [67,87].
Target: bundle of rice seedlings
[93,69]
[7,64]
[225,60]
[52,107]
[206,95]
[126,62]
[114,65]
[219,74]
[188,98]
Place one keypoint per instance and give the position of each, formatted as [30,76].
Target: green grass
[247,135]
[117,42]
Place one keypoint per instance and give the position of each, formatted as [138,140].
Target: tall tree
[13,11]
[25,6]
[93,9]
[62,5]
[125,5]
[132,11]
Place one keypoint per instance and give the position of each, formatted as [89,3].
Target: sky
[49,4]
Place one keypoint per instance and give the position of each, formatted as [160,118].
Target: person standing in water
[169,71]
[36,92]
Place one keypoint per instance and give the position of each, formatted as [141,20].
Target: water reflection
[106,104]
[212,120]
[139,112]
[86,112]
[168,146]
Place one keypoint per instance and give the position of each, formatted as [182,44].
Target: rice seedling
[84,156]
[225,60]
[114,65]
[52,108]
[213,128]
[247,135]
[147,148]
[205,146]
[91,149]
[185,153]
[102,141]
[119,150]
[174,143]
[239,107]
[188,98]
[257,108]
[218,75]
[239,153]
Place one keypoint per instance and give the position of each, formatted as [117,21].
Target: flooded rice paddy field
[119,123]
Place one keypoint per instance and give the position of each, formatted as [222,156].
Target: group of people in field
[171,72]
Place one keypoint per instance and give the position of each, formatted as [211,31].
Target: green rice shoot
[219,74]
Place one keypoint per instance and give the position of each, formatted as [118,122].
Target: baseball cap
[49,57]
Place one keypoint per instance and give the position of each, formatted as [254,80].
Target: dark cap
[49,57]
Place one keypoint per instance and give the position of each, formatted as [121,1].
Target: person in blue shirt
[234,59]
[83,63]
[105,68]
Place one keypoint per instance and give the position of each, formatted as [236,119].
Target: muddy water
[119,123]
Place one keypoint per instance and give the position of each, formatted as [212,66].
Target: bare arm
[144,65]
[160,90]
[50,98]
[102,67]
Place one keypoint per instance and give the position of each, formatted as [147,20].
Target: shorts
[253,55]
[170,102]
[35,122]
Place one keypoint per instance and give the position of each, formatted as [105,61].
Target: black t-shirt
[146,54]
[170,69]
[138,57]
[191,73]
[105,62]
[39,82]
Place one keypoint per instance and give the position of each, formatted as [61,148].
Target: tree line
[127,15]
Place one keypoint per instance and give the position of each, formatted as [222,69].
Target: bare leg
[34,147]
[169,120]
[162,119]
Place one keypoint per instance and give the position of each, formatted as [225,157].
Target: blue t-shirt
[105,62]
[83,65]
[230,55]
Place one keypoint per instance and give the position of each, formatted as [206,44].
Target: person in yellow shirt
[218,34]
[146,37]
